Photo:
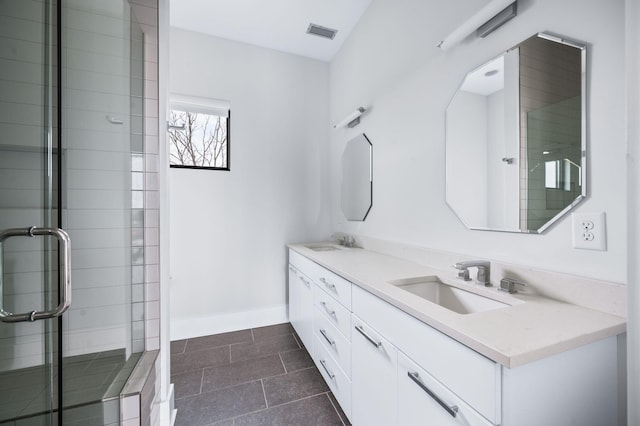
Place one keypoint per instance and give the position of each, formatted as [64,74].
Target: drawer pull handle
[373,341]
[324,365]
[451,409]
[327,284]
[327,310]
[292,269]
[324,334]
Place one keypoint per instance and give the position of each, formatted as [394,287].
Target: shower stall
[74,302]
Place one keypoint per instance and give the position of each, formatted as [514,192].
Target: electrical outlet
[589,231]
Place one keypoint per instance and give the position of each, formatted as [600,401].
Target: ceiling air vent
[321,31]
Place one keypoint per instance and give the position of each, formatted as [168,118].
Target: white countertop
[532,328]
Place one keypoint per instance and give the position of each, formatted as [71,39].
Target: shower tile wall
[146,12]
[23,120]
[101,174]
[125,211]
[98,123]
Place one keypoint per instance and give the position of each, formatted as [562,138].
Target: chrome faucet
[484,271]
[345,239]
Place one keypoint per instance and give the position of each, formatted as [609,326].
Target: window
[199,133]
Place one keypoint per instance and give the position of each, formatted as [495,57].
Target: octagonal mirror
[357,178]
[516,140]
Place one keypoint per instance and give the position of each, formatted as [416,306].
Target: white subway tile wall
[146,12]
[22,176]
[97,177]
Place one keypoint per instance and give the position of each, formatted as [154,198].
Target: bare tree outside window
[198,140]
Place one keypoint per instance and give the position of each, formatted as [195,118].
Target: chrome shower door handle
[64,268]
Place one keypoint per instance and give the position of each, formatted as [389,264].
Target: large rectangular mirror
[516,139]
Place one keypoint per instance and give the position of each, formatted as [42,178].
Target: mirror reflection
[515,138]
[357,178]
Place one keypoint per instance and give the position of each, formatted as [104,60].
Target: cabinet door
[373,376]
[301,307]
[294,299]
[422,400]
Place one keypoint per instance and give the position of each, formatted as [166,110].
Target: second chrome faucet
[484,271]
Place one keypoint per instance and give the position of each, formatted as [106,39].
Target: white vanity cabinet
[301,300]
[386,367]
[374,370]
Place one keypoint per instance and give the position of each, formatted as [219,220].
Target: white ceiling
[478,82]
[274,24]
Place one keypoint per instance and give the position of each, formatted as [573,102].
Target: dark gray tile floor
[261,376]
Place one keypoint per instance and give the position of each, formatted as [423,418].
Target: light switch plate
[589,231]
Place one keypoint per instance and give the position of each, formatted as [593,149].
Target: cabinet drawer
[421,399]
[333,341]
[300,262]
[473,377]
[336,286]
[337,314]
[337,380]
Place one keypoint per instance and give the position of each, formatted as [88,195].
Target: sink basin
[455,299]
[323,247]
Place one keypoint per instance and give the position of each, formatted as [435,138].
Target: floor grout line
[336,409]
[297,341]
[282,361]
[264,394]
[299,399]
[201,382]
[279,405]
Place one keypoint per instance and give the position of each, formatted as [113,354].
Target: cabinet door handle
[374,342]
[451,409]
[327,310]
[327,338]
[305,281]
[324,365]
[292,269]
[327,284]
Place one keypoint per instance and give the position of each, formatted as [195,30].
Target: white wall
[632,13]
[408,82]
[468,151]
[229,229]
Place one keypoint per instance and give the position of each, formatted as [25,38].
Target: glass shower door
[71,157]
[29,257]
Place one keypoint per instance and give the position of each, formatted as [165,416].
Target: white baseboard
[203,326]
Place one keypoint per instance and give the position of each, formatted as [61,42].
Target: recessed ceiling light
[321,31]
